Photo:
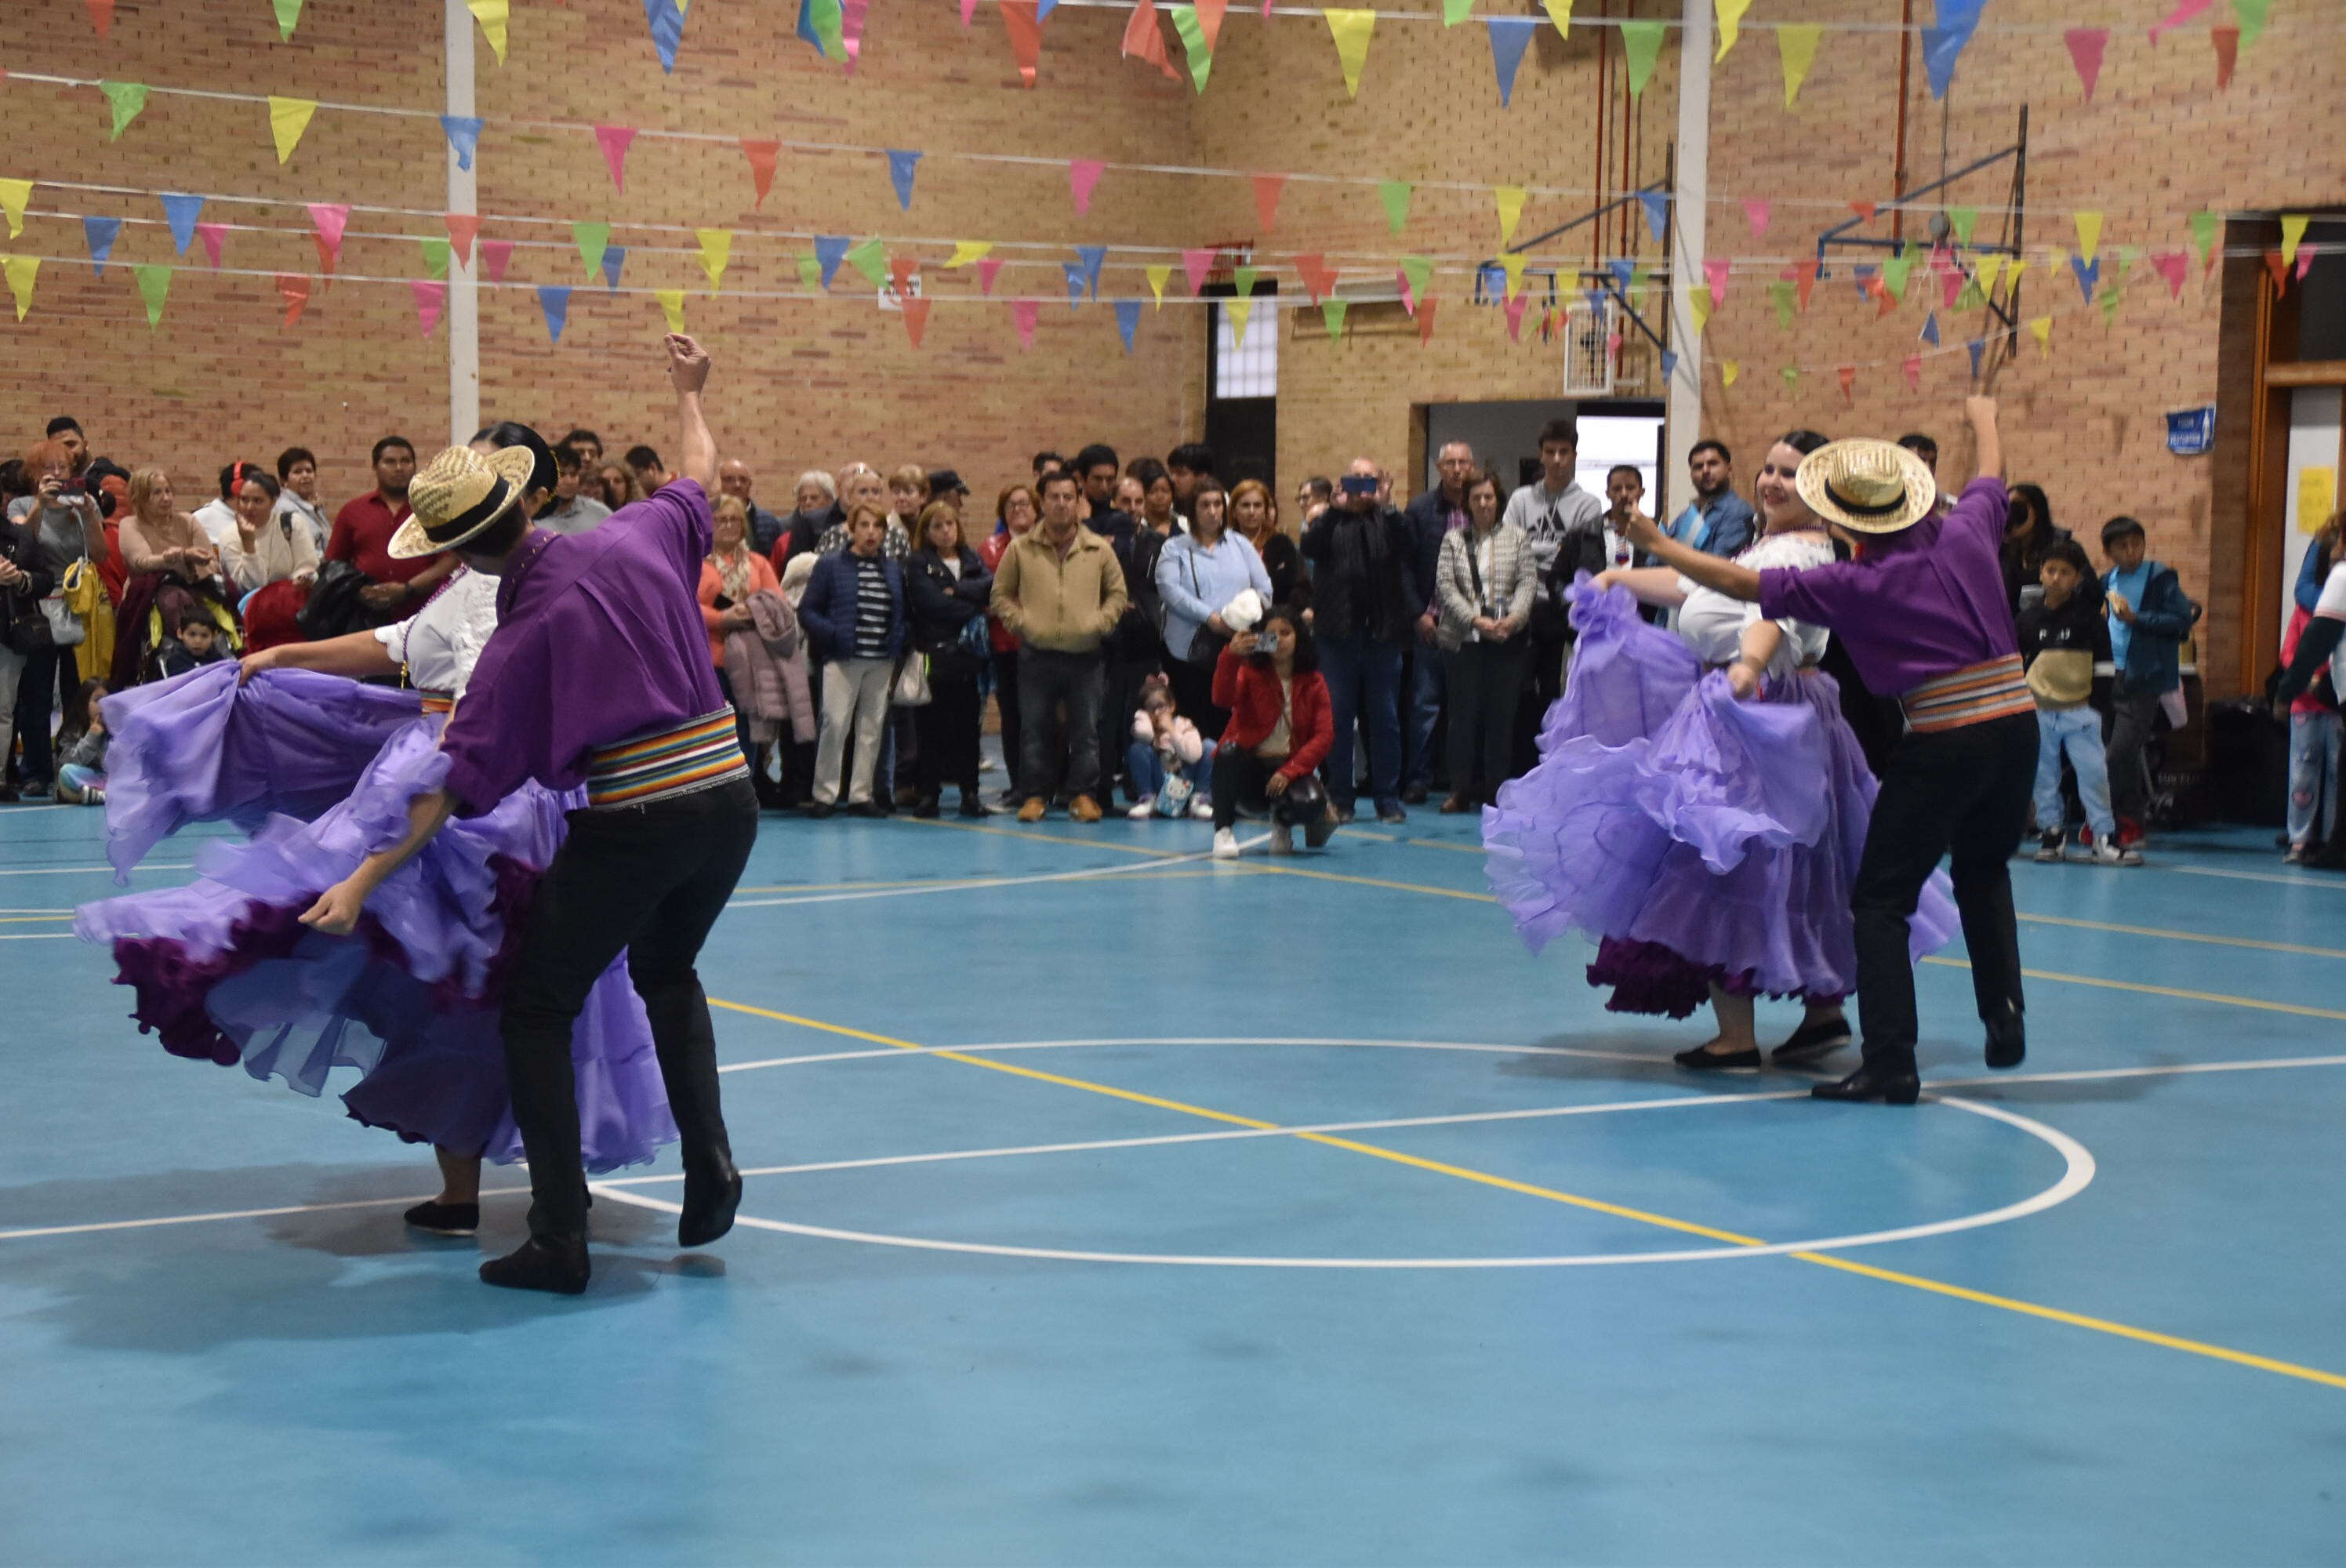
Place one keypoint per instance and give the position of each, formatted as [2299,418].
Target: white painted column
[464,318]
[1684,411]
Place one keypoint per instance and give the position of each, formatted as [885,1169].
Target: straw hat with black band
[1867,485]
[460,494]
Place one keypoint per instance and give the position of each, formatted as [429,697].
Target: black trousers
[1059,703]
[1006,699]
[1964,791]
[1193,696]
[1539,694]
[1485,682]
[2133,720]
[650,880]
[948,727]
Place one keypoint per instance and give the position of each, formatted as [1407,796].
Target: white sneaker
[1282,839]
[1226,844]
[1145,810]
[2106,852]
[1202,810]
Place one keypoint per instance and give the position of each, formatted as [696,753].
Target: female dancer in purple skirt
[319,769]
[1699,802]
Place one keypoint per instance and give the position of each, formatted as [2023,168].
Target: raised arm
[1719,575]
[687,371]
[1656,586]
[1980,408]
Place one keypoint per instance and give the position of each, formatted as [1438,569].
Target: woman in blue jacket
[1200,573]
[949,588]
[854,612]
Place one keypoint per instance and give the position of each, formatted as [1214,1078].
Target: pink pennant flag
[1083,173]
[1023,313]
[331,218]
[2175,266]
[211,234]
[463,228]
[2304,262]
[430,299]
[1913,372]
[1266,188]
[1266,10]
[987,267]
[1515,317]
[1715,271]
[494,255]
[968,11]
[1754,213]
[1613,341]
[2086,46]
[1200,265]
[615,140]
[1951,285]
[2184,11]
[850,30]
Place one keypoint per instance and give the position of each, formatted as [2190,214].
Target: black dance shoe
[553,1264]
[970,806]
[708,1206]
[1704,1060]
[1893,1083]
[2007,1038]
[1811,1041]
[444,1219]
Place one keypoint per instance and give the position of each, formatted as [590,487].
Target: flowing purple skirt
[1698,840]
[224,971]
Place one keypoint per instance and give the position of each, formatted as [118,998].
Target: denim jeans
[1428,689]
[1363,685]
[1149,773]
[2313,755]
[1059,728]
[2078,731]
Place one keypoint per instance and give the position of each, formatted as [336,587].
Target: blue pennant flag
[183,212]
[102,233]
[901,166]
[1931,329]
[807,34]
[1128,320]
[1977,346]
[1094,255]
[1595,298]
[1073,273]
[1943,44]
[1043,9]
[555,303]
[613,258]
[1657,213]
[667,21]
[1509,37]
[1623,271]
[2088,274]
[464,135]
[829,250]
[1669,364]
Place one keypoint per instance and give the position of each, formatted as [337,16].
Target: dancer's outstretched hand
[337,910]
[688,363]
[253,663]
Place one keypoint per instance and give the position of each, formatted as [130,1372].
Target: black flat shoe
[867,809]
[444,1219]
[2007,1039]
[971,807]
[1893,1086]
[927,810]
[708,1206]
[1811,1041]
[542,1263]
[819,810]
[1703,1060]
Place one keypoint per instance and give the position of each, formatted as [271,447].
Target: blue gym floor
[1036,1266]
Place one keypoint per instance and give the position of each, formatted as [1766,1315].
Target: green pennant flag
[1331,311]
[1894,271]
[593,238]
[1243,279]
[1784,295]
[288,12]
[128,99]
[154,284]
[810,273]
[2252,14]
[1642,43]
[1419,270]
[2204,225]
[1963,220]
[871,259]
[1971,299]
[1457,11]
[830,26]
[1792,374]
[2108,301]
[435,259]
[1394,194]
[2130,258]
[1193,44]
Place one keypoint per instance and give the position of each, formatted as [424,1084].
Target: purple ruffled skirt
[224,971]
[1698,840]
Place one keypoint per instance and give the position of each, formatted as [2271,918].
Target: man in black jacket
[1365,602]
[23,628]
[1430,515]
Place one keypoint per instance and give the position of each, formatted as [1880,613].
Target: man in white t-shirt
[1567,525]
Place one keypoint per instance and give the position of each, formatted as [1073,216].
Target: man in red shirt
[362,530]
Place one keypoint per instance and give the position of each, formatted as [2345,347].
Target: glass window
[1250,369]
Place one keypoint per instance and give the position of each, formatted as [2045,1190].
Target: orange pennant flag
[294,290]
[1425,320]
[463,228]
[916,319]
[1026,35]
[762,156]
[1266,188]
[101,15]
[1145,40]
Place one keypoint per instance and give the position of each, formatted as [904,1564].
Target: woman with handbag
[1198,574]
[854,612]
[946,591]
[22,633]
[1485,582]
[67,528]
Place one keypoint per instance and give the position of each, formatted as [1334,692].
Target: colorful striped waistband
[438,702]
[1972,695]
[700,755]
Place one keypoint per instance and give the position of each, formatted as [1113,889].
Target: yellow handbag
[84,596]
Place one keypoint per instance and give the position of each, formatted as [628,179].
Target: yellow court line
[20,920]
[1109,844]
[1642,1216]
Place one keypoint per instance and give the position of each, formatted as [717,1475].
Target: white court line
[2089,1074]
[38,936]
[2330,883]
[1646,1057]
[1122,867]
[224,1214]
[81,870]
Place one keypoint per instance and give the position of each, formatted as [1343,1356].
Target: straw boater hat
[1866,486]
[458,495]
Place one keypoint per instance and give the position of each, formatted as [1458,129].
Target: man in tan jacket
[1060,591]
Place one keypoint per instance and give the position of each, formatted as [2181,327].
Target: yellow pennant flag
[493,16]
[716,250]
[2012,274]
[2089,235]
[2293,231]
[1730,23]
[1351,30]
[1701,302]
[1159,276]
[1239,310]
[967,252]
[21,270]
[1798,48]
[1990,268]
[14,195]
[1510,198]
[288,118]
[1727,370]
[1512,263]
[2040,328]
[1560,13]
[671,304]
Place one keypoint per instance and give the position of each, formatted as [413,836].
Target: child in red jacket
[1279,731]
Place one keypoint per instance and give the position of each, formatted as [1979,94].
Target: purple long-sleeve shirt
[1934,604]
[600,639]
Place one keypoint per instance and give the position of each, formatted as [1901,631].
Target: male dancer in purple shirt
[1921,612]
[597,674]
